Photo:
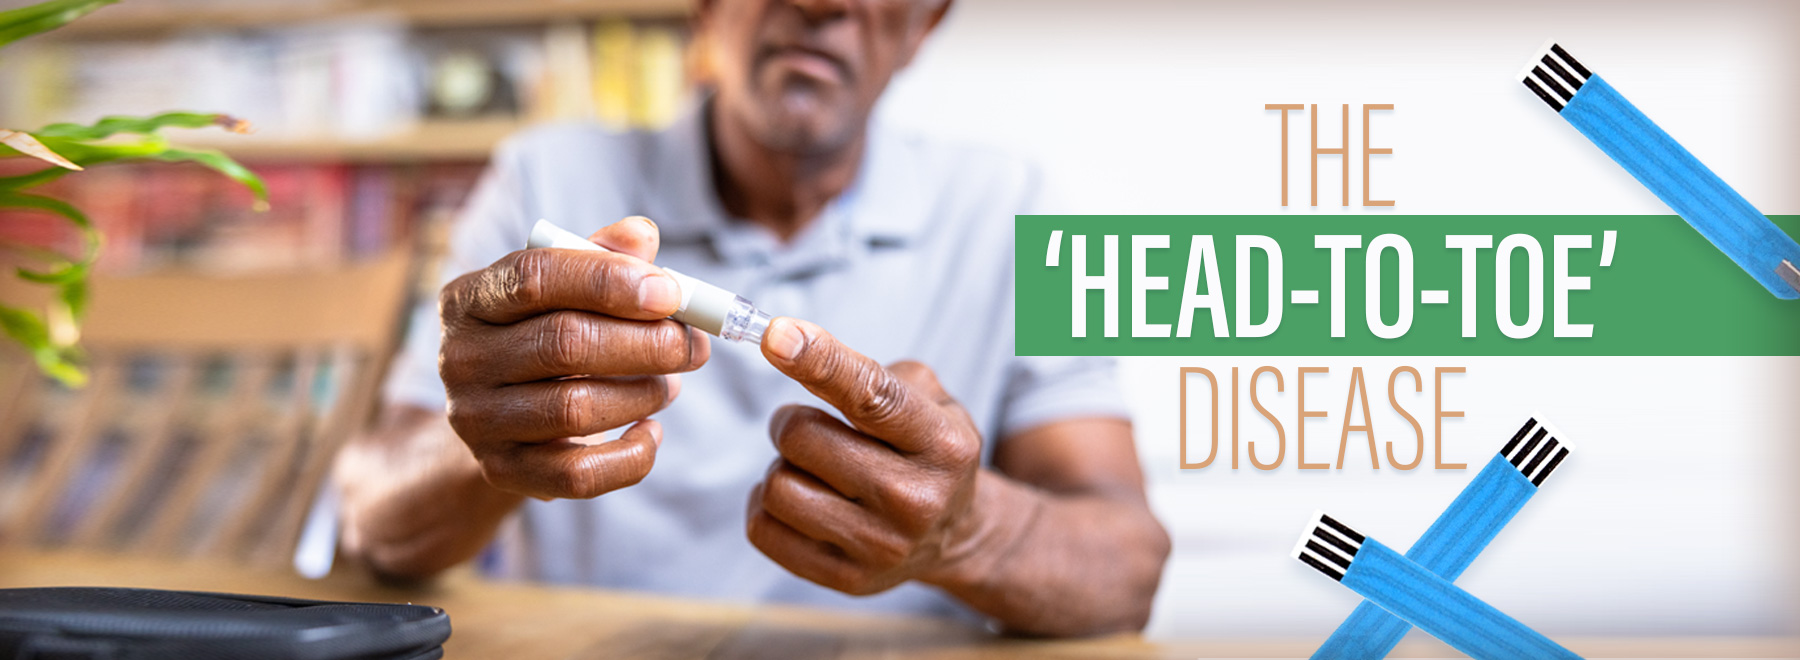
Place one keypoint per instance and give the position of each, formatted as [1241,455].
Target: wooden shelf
[433,141]
[151,17]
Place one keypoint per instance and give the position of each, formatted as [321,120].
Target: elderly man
[961,479]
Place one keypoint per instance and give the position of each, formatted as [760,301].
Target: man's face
[802,75]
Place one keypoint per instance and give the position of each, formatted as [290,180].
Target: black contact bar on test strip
[1556,77]
[1329,546]
[1539,455]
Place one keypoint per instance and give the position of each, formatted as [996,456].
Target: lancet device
[713,310]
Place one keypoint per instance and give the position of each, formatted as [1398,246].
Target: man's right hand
[548,346]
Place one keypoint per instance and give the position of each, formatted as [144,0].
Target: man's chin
[806,135]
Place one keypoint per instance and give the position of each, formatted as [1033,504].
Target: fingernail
[648,221]
[658,293]
[785,339]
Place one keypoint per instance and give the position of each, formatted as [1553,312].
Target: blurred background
[372,118]
[375,117]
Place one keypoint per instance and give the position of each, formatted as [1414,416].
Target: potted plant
[50,334]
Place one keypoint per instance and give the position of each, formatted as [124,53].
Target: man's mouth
[805,61]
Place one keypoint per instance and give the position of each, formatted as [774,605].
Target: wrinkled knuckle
[462,415]
[619,280]
[961,450]
[452,362]
[910,502]
[523,280]
[563,342]
[823,366]
[569,480]
[670,350]
[631,467]
[450,301]
[571,410]
[885,400]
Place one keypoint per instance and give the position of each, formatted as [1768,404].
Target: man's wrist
[1000,519]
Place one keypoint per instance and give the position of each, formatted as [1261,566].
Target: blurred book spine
[162,216]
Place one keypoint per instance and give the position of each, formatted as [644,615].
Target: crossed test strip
[1668,169]
[1416,589]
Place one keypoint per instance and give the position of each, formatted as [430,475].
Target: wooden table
[502,620]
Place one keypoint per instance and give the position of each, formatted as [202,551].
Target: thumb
[636,236]
[871,398]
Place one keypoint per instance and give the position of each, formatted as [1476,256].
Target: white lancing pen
[713,310]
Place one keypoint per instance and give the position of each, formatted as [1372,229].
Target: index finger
[527,283]
[872,398]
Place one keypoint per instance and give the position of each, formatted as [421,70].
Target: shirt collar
[884,204]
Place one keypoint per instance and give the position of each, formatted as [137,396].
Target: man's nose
[817,11]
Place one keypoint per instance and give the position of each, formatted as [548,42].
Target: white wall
[1667,523]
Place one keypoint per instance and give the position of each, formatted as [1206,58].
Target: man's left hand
[865,506]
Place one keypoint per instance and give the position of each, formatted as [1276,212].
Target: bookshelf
[425,139]
[429,141]
[361,149]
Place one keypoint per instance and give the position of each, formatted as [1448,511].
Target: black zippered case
[107,623]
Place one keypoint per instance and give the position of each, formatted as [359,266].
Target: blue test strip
[1460,533]
[1414,593]
[1660,163]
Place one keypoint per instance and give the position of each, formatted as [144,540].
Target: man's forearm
[1056,564]
[415,503]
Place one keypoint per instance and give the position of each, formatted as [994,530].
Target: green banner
[1654,286]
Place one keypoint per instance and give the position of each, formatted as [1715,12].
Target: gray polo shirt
[913,262]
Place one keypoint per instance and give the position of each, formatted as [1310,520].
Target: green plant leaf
[69,272]
[86,155]
[13,199]
[153,147]
[89,153]
[74,295]
[66,272]
[24,326]
[222,164]
[28,145]
[43,17]
[63,275]
[30,331]
[110,126]
[37,178]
